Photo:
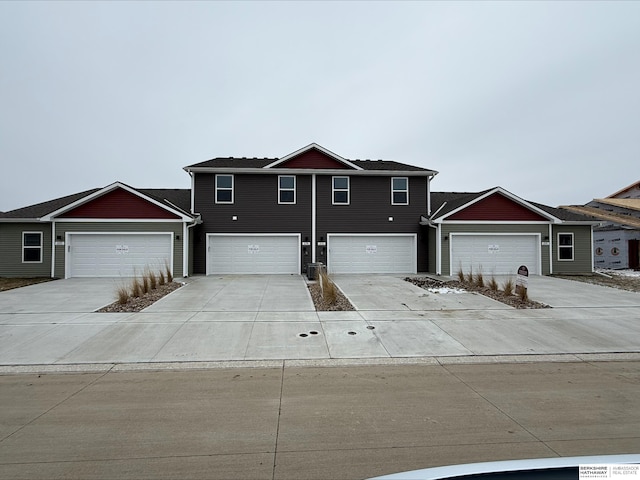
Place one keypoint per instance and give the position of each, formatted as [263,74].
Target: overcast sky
[541,98]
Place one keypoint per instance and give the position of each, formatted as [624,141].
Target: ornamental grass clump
[460,275]
[161,279]
[507,287]
[136,288]
[470,277]
[122,292]
[479,279]
[493,285]
[153,280]
[328,288]
[168,273]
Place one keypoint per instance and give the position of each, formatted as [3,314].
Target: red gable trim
[312,159]
[497,207]
[119,203]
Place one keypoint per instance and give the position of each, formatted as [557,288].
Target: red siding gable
[119,203]
[497,207]
[312,159]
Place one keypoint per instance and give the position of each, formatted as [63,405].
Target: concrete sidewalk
[303,422]
[257,318]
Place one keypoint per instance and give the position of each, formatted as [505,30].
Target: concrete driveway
[271,317]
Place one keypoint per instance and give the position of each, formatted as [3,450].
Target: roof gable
[313,156]
[119,203]
[495,205]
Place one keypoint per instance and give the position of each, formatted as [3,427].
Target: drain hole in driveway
[351,333]
[313,332]
[303,335]
[370,327]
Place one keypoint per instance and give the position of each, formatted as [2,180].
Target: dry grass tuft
[479,279]
[460,275]
[507,287]
[161,279]
[153,280]
[122,294]
[522,294]
[329,289]
[136,288]
[168,273]
[493,285]
[470,277]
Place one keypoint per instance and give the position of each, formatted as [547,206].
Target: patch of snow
[445,290]
[619,273]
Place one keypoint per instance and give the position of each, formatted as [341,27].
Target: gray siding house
[115,231]
[616,240]
[279,215]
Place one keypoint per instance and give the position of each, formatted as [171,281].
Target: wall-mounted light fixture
[546,238]
[59,238]
[446,237]
[177,237]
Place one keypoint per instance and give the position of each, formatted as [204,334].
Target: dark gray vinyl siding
[62,228]
[369,211]
[255,207]
[11,264]
[257,210]
[582,250]
[541,229]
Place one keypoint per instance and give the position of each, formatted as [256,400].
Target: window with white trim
[31,247]
[340,189]
[565,247]
[286,189]
[224,188]
[399,191]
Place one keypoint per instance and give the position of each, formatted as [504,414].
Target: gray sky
[541,98]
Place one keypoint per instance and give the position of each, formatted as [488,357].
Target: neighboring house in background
[112,231]
[495,232]
[278,215]
[617,240]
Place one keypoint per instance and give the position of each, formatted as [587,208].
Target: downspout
[53,249]
[313,218]
[550,249]
[186,250]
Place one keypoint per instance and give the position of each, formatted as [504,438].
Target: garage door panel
[117,255]
[253,254]
[494,254]
[372,254]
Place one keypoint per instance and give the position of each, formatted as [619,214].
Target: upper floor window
[399,191]
[224,188]
[32,247]
[340,190]
[286,189]
[565,246]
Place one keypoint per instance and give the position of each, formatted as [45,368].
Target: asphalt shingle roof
[456,200]
[233,162]
[180,198]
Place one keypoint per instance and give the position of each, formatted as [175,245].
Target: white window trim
[280,190]
[394,191]
[224,188]
[40,247]
[334,190]
[573,246]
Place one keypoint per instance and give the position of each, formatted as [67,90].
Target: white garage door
[494,254]
[117,255]
[258,254]
[372,253]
